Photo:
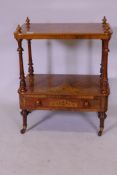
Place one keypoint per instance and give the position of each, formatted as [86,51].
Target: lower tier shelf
[66,92]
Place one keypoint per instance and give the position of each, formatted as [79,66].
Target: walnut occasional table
[59,91]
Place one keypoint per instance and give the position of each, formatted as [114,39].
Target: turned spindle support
[104,67]
[22,76]
[101,65]
[30,62]
[104,61]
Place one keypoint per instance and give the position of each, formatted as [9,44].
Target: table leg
[24,114]
[101,116]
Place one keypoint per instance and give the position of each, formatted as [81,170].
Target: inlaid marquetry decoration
[63,103]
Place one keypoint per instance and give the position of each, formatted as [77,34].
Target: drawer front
[54,103]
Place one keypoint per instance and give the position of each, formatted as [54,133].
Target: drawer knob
[86,104]
[38,103]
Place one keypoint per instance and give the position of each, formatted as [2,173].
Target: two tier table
[60,91]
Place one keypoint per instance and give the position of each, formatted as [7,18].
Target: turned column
[21,67]
[30,63]
[105,50]
[104,66]
[101,65]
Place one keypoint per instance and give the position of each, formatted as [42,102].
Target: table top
[63,30]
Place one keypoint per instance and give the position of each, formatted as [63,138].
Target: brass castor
[100,132]
[23,130]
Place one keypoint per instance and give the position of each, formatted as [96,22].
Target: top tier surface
[63,30]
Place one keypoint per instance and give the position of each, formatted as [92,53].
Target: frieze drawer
[54,103]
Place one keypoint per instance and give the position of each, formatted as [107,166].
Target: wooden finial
[19,29]
[27,21]
[104,20]
[107,28]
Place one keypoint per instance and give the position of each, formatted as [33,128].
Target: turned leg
[101,116]
[24,115]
